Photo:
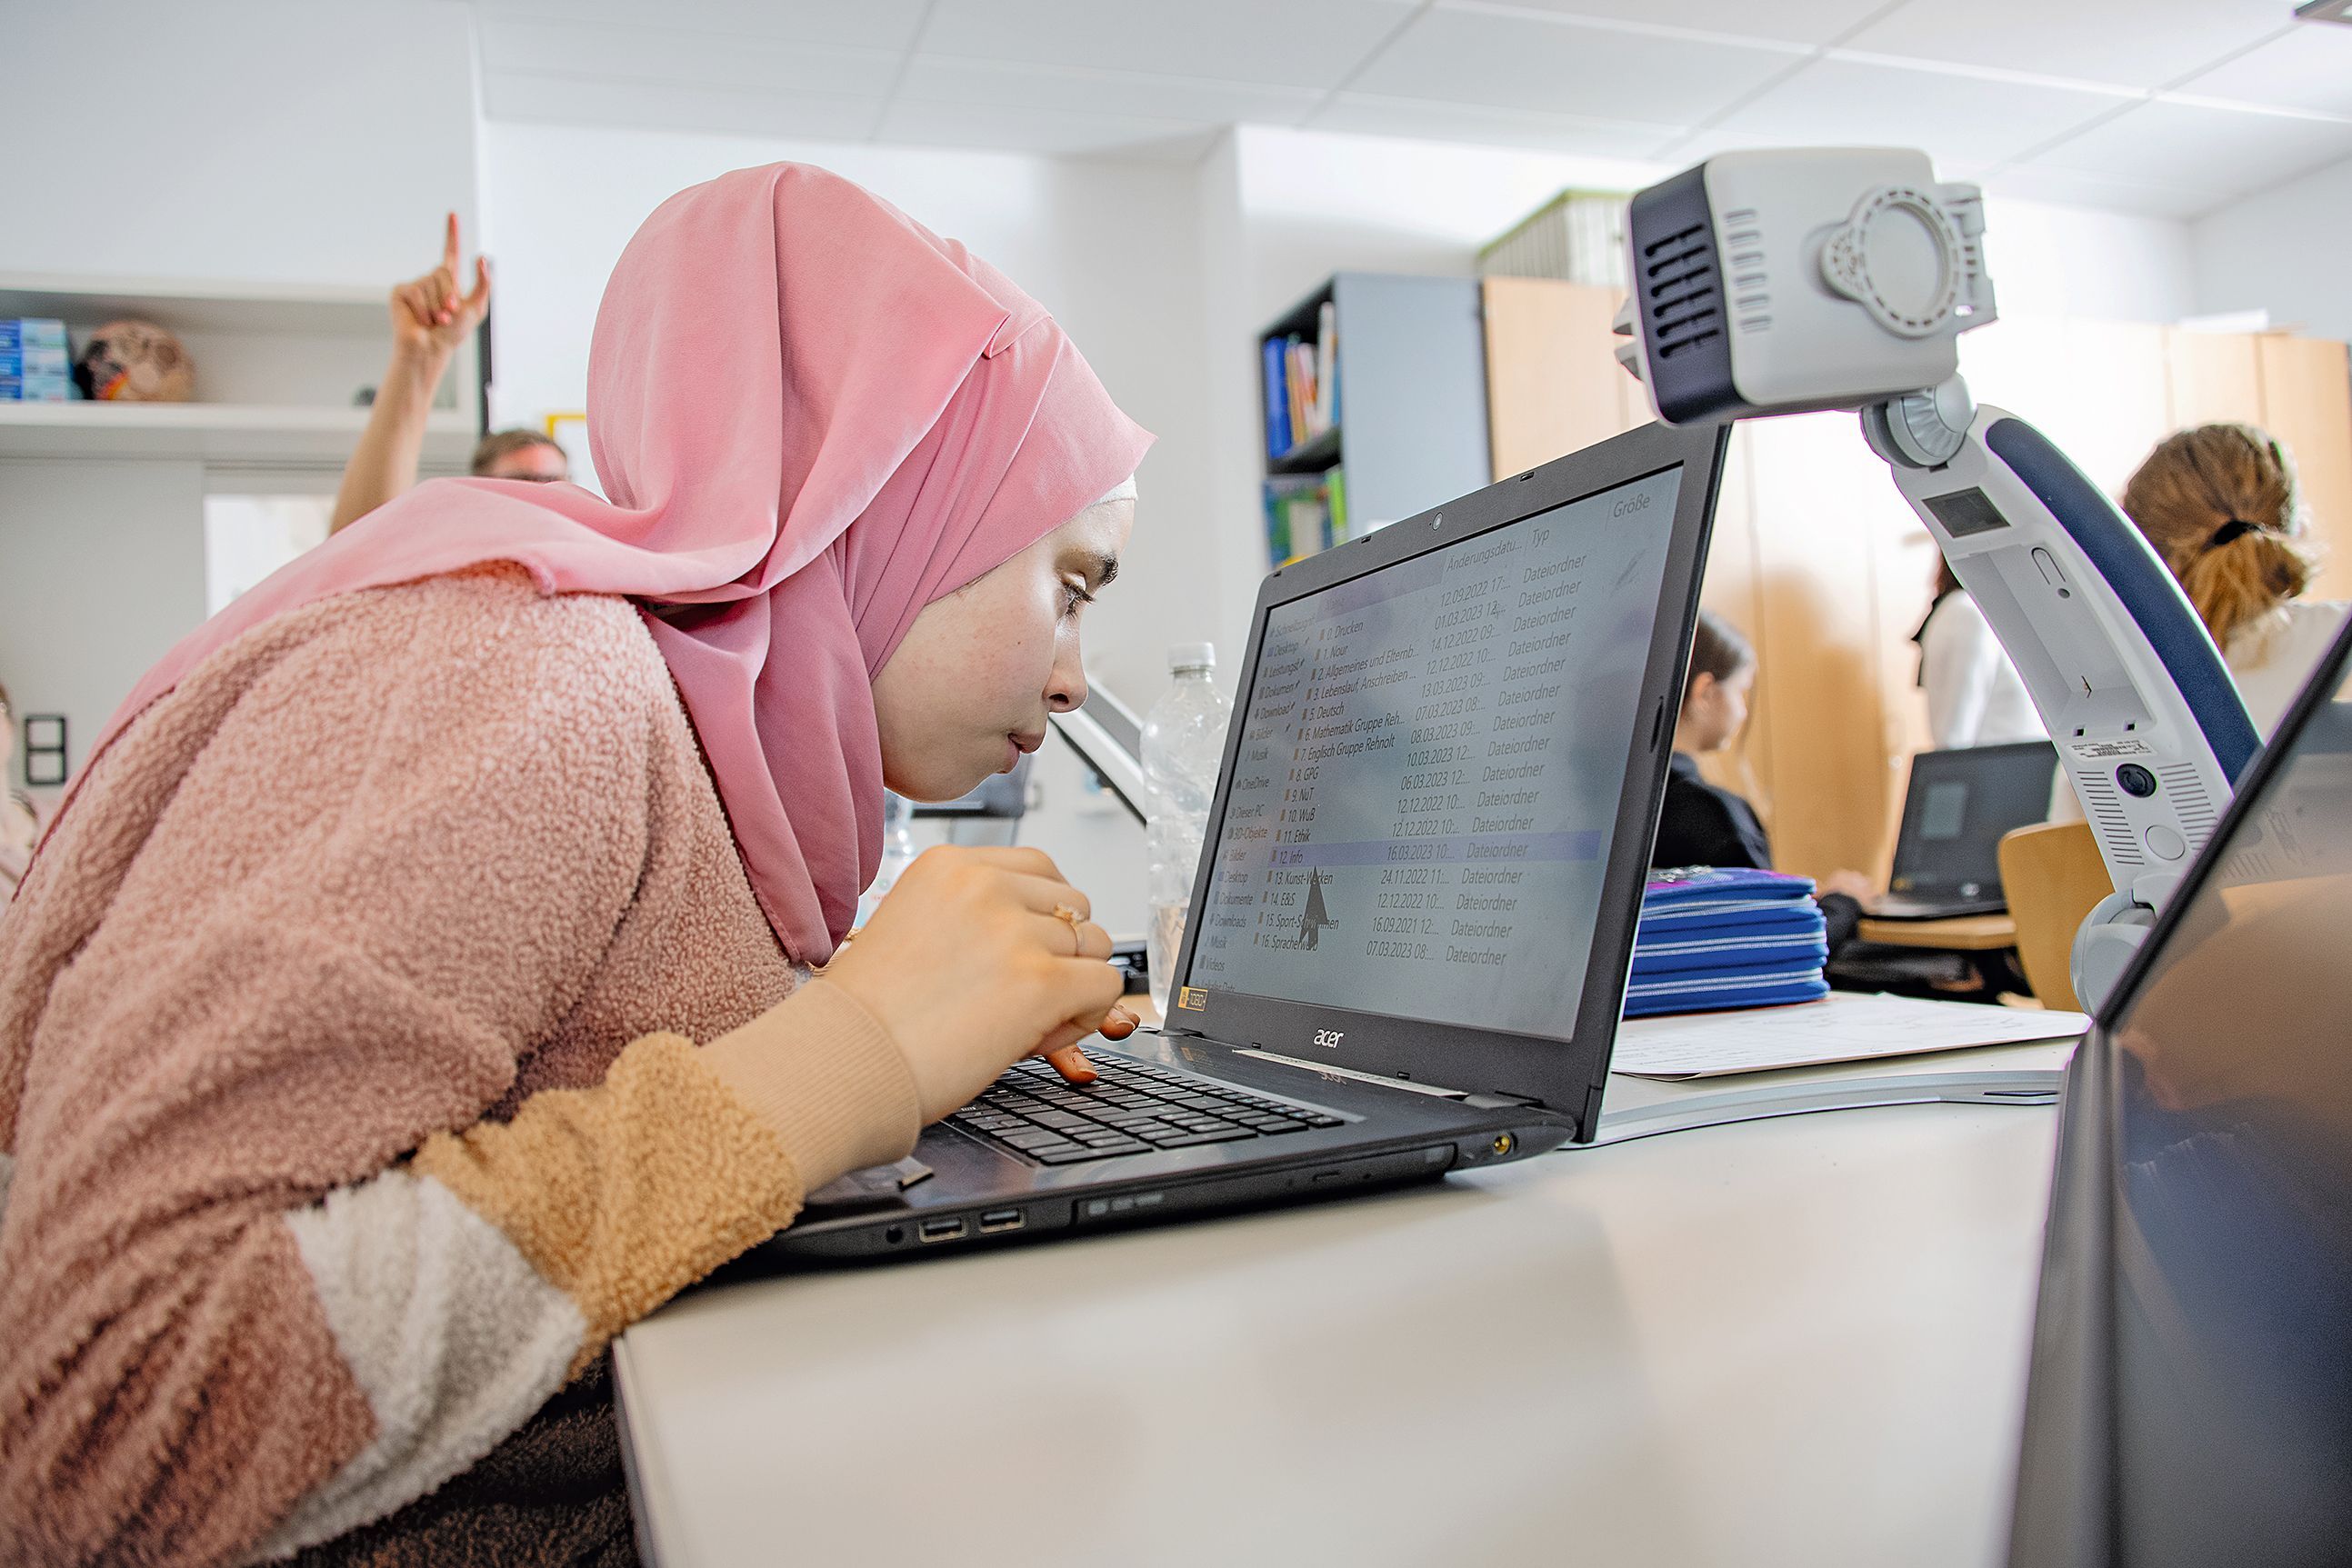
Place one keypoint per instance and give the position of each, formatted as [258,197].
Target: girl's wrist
[415,370]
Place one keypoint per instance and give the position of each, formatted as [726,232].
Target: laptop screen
[1959,805]
[2191,1399]
[2233,1176]
[1430,771]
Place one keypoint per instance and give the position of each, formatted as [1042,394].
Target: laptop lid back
[1959,805]
[2190,1401]
[1442,782]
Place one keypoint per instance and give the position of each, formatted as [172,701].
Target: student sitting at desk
[1704,824]
[418,989]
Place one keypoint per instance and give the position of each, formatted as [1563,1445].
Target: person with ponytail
[441,959]
[2219,503]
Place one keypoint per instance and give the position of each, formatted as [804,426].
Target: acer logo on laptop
[1330,1037]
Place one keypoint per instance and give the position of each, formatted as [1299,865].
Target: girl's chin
[948,782]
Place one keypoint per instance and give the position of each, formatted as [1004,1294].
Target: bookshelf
[1373,393]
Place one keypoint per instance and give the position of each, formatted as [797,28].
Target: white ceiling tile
[938,80]
[2130,43]
[1560,68]
[2311,67]
[859,24]
[1296,43]
[1787,21]
[1041,129]
[2064,188]
[694,60]
[1955,117]
[662,106]
[2199,149]
[1370,115]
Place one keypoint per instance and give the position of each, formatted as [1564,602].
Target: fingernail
[1072,1063]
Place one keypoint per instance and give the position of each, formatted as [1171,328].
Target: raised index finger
[449,246]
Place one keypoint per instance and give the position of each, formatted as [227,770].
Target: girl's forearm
[385,463]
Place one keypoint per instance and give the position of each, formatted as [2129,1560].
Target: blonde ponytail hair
[2219,505]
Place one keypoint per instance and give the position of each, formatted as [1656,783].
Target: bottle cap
[1183,656]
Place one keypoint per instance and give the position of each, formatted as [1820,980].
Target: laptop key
[1071,1155]
[1188,1139]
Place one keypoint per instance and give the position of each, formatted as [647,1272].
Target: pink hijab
[814,417]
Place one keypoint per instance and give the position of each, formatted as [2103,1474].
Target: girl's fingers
[1043,895]
[1016,858]
[481,294]
[449,246]
[1072,1065]
[1060,938]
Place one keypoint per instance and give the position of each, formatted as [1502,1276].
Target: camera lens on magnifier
[2134,779]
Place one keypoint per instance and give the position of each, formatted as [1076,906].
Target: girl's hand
[969,967]
[1853,883]
[429,316]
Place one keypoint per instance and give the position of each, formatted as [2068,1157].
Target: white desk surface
[1800,1341]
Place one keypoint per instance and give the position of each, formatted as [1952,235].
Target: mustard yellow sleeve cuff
[820,1070]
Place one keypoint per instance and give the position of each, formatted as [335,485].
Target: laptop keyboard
[1133,1108]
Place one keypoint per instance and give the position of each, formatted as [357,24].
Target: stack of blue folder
[1726,938]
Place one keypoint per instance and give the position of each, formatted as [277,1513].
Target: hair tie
[2231,530]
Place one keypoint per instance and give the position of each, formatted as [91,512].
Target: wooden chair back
[2052,874]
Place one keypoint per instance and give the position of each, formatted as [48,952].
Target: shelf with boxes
[276,370]
[1373,390]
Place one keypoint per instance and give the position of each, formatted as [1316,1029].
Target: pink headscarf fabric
[814,417]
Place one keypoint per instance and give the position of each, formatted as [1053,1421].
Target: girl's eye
[1074,594]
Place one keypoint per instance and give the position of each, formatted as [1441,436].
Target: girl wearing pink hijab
[422,983]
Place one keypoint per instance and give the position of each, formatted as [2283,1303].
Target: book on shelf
[1302,385]
[1305,513]
[1277,397]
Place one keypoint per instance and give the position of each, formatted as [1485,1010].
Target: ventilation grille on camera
[1686,308]
[2104,809]
[2191,804]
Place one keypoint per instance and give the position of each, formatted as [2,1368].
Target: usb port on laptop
[941,1230]
[997,1220]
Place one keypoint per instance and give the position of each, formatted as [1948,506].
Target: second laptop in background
[1959,805]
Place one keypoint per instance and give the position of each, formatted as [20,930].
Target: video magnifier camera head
[1783,281]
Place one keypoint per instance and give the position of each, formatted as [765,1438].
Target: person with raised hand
[431,319]
[441,961]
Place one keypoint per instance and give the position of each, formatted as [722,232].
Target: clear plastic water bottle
[898,852]
[1184,742]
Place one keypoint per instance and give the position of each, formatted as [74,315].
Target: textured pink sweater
[387,1025]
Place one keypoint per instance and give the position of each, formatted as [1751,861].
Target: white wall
[276,140]
[104,571]
[2081,261]
[2287,250]
[1106,245]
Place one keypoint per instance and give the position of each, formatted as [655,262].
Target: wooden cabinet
[1820,561]
[2306,387]
[1541,403]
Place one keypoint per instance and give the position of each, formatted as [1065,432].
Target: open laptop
[1959,805]
[2191,1400]
[1408,937]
